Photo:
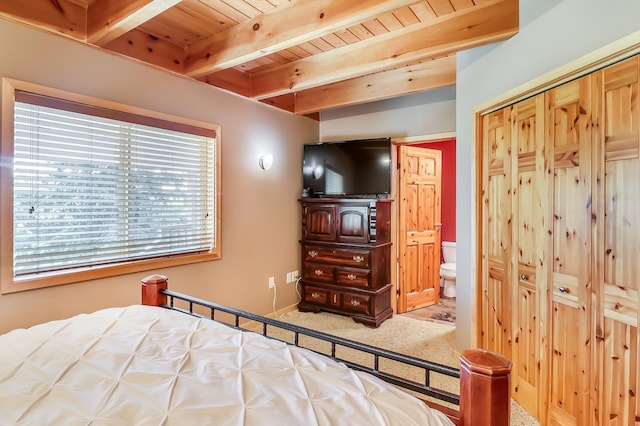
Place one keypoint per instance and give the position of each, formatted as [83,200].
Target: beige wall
[260,213]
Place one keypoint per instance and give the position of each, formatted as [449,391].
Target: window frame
[7,282]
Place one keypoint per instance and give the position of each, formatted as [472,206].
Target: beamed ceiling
[303,56]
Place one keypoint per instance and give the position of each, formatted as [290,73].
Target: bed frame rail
[483,375]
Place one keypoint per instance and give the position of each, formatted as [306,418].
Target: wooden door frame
[395,226]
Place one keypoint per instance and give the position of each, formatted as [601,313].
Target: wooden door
[616,221]
[497,293]
[530,215]
[513,285]
[568,125]
[560,233]
[419,227]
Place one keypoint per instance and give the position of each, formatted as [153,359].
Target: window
[102,190]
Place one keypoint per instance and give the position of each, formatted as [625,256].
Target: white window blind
[93,189]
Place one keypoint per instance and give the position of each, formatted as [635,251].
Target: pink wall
[448,148]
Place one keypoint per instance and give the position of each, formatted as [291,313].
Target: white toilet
[448,269]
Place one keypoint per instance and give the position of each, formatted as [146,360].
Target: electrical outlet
[272,282]
[289,279]
[294,276]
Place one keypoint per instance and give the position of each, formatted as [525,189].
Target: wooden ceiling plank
[263,6]
[375,27]
[347,36]
[232,80]
[423,76]
[461,30]
[441,7]
[185,24]
[106,21]
[139,45]
[406,16]
[299,51]
[322,44]
[334,40]
[285,102]
[240,8]
[273,31]
[424,12]
[390,21]
[230,11]
[62,16]
[462,4]
[360,31]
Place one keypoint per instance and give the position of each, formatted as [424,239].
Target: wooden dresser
[346,258]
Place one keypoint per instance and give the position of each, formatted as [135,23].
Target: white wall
[260,212]
[412,115]
[552,33]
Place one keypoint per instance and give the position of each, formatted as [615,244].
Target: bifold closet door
[617,245]
[514,221]
[568,151]
[497,291]
[528,236]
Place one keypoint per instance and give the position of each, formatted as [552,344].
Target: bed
[164,362]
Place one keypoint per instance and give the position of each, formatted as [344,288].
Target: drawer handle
[358,258]
[315,295]
[352,276]
[524,277]
[313,253]
[564,290]
[335,299]
[318,272]
[355,303]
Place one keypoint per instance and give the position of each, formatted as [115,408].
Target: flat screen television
[352,168]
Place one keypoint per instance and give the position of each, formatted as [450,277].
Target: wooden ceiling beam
[419,77]
[106,21]
[61,16]
[445,35]
[274,31]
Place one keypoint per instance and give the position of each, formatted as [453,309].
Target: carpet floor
[433,341]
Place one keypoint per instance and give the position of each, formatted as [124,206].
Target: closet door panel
[529,218]
[569,132]
[622,110]
[617,257]
[496,331]
[620,373]
[622,241]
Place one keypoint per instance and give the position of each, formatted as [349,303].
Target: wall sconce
[266,161]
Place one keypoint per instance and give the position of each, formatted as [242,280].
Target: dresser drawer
[353,277]
[357,258]
[316,295]
[318,272]
[356,302]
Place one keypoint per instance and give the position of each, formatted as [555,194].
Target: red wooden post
[151,287]
[485,398]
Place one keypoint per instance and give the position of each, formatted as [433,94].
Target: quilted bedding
[142,365]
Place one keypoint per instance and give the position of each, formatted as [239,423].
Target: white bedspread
[143,365]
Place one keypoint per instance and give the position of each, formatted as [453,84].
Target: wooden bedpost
[151,287]
[484,388]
